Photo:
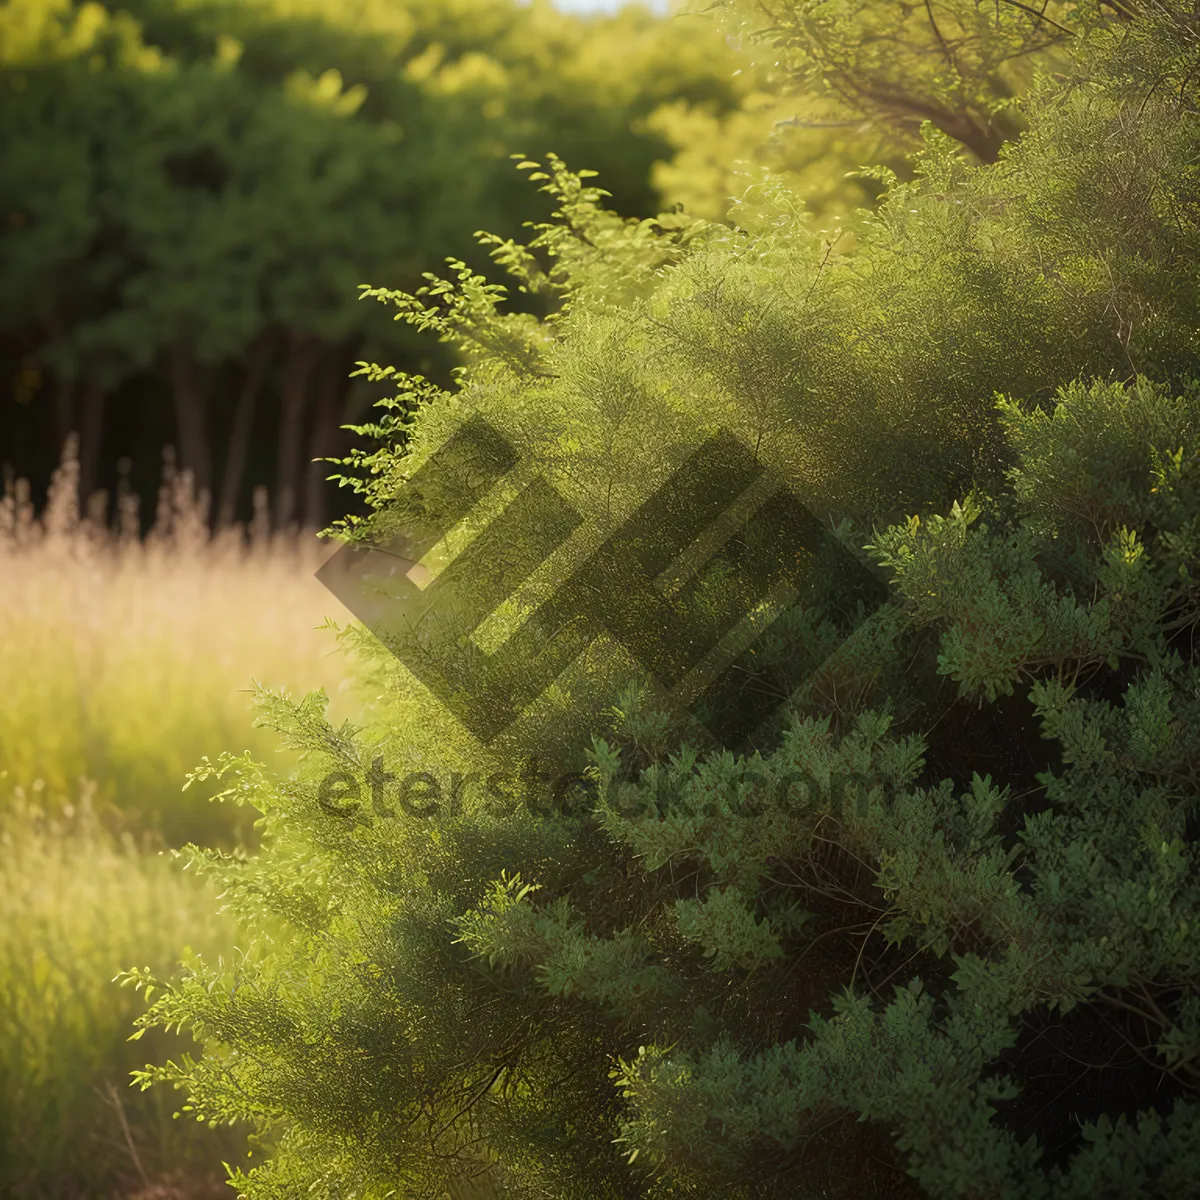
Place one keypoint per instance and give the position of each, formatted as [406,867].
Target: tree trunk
[243,429]
[91,436]
[188,386]
[326,434]
[983,140]
[64,391]
[64,410]
[297,378]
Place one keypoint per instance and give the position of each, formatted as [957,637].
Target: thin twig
[114,1100]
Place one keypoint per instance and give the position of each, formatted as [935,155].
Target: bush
[978,978]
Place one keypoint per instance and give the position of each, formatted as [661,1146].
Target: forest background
[194,191]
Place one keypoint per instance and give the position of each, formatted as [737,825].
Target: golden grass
[125,660]
[122,661]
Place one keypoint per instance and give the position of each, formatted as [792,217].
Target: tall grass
[77,905]
[123,660]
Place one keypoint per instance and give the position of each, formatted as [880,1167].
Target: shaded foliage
[858,956]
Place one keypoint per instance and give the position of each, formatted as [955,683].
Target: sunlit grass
[77,905]
[122,661]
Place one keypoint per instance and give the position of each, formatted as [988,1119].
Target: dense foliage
[933,933]
[835,84]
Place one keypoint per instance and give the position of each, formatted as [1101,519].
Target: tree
[859,950]
[229,172]
[59,263]
[956,63]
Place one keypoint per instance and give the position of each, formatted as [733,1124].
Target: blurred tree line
[193,190]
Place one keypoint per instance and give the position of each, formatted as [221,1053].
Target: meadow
[125,659]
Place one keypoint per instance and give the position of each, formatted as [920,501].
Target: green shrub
[975,979]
